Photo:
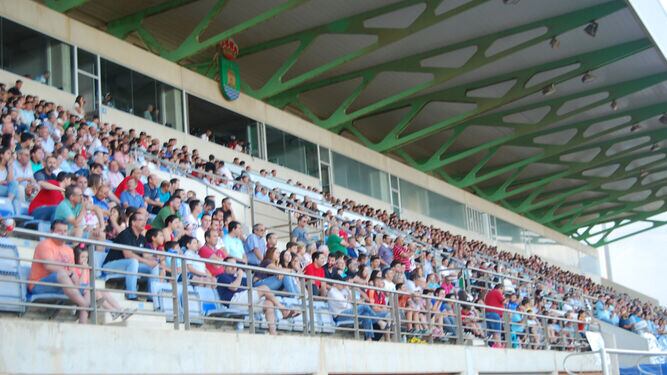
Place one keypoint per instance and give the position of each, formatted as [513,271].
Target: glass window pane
[116,86]
[37,56]
[292,152]
[228,128]
[170,101]
[360,177]
[87,61]
[143,97]
[428,203]
[324,155]
[88,89]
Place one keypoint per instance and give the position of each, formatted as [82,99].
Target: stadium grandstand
[328,187]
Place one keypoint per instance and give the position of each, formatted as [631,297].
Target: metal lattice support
[191,45]
[602,237]
[353,25]
[413,63]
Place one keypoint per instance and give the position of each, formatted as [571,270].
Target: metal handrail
[307,278]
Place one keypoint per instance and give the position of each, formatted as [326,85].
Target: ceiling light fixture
[554,43]
[635,127]
[663,119]
[592,28]
[614,105]
[548,90]
[588,77]
[643,173]
[511,2]
[655,147]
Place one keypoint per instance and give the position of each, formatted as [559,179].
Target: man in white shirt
[342,309]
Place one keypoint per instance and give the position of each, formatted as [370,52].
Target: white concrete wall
[36,347]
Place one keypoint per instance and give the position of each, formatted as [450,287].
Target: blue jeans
[449,325]
[44,213]
[367,321]
[132,266]
[287,283]
[12,188]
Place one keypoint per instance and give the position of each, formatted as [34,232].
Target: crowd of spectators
[92,179]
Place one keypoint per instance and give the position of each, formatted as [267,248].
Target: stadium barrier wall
[36,347]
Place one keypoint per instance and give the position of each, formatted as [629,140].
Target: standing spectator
[9,187]
[385,252]
[495,298]
[54,250]
[79,107]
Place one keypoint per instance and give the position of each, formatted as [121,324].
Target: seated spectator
[170,208]
[152,195]
[276,282]
[43,206]
[335,243]
[233,242]
[196,270]
[9,187]
[210,250]
[233,280]
[47,173]
[317,269]
[105,300]
[299,233]
[131,197]
[340,305]
[255,245]
[54,250]
[73,209]
[130,261]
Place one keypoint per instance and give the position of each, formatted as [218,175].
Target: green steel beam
[352,25]
[192,44]
[605,233]
[574,171]
[63,6]
[552,26]
[524,132]
[552,153]
[586,62]
[123,26]
[556,199]
[577,208]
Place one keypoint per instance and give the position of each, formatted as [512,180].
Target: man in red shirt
[402,253]
[52,192]
[316,268]
[209,251]
[495,298]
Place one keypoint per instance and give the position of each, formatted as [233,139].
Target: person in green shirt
[335,243]
[170,208]
[72,210]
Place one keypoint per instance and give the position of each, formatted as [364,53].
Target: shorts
[493,322]
[43,289]
[240,300]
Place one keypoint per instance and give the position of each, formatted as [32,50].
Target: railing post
[311,307]
[174,289]
[252,207]
[289,225]
[429,321]
[251,304]
[396,317]
[603,361]
[304,304]
[186,299]
[545,329]
[92,276]
[355,311]
[506,328]
[459,324]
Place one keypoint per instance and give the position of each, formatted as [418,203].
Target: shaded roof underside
[515,101]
